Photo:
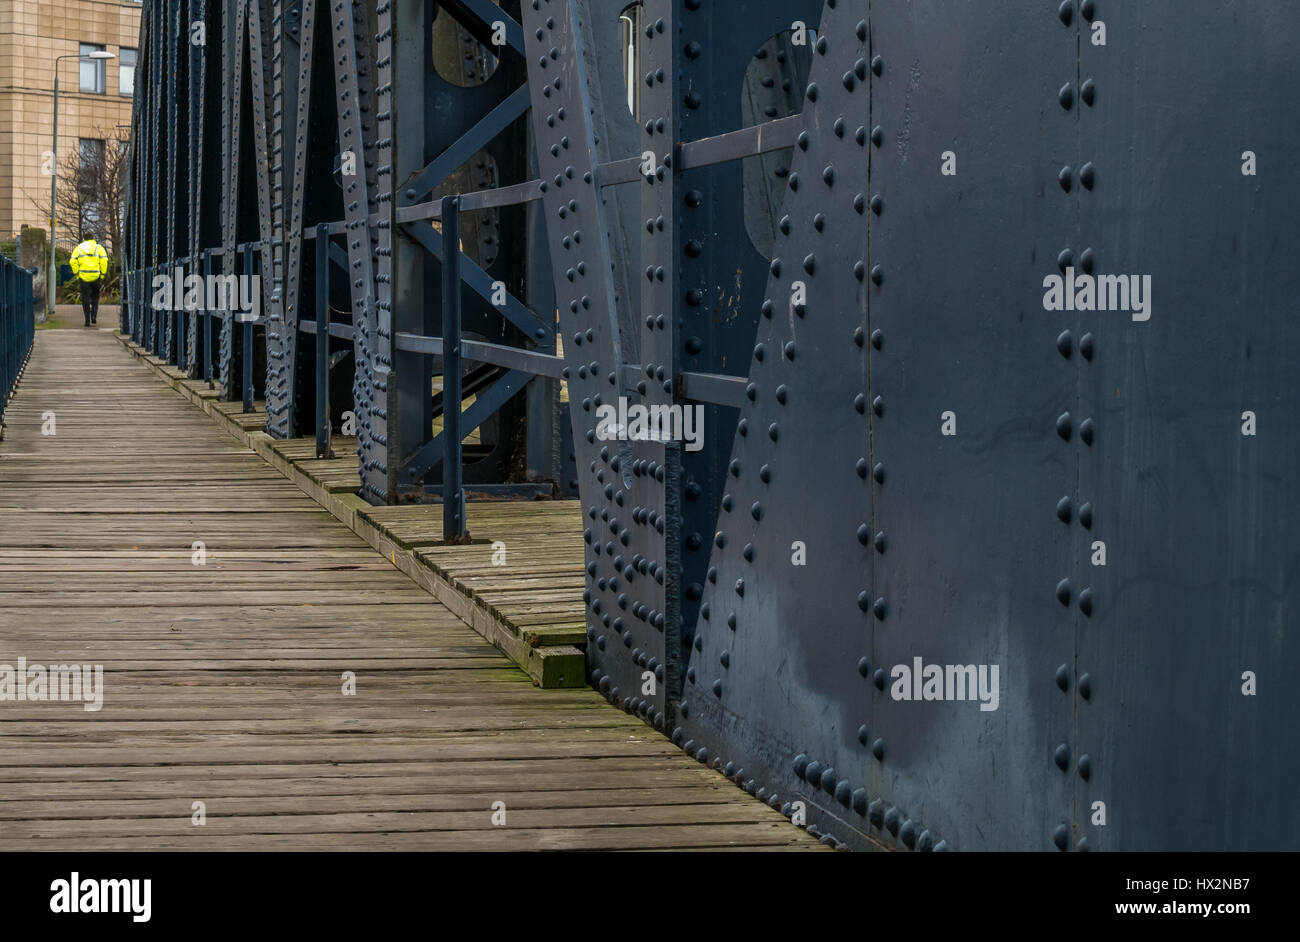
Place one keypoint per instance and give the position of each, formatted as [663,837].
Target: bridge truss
[830,226]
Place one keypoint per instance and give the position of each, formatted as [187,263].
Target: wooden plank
[225,682]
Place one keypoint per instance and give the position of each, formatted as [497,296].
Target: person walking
[90,264]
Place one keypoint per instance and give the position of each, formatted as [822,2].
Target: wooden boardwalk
[223,682]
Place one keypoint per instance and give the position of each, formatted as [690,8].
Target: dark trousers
[90,301]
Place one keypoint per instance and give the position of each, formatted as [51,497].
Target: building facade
[94,96]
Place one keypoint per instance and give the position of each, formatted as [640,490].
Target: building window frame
[91,74]
[127,60]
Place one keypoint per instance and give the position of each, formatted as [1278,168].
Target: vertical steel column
[323,430]
[248,336]
[180,316]
[207,320]
[453,494]
[414,304]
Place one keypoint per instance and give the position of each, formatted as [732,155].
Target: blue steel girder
[358,137]
[421,464]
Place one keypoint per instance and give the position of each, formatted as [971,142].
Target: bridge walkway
[224,721]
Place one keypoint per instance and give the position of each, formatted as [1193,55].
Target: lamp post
[50,277]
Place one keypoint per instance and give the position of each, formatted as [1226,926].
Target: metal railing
[17,325]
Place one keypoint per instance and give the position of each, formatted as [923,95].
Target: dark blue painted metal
[207,322]
[248,272]
[17,326]
[324,448]
[453,494]
[756,596]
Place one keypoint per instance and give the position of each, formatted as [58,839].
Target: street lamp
[50,276]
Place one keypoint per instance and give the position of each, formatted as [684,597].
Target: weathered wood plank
[223,682]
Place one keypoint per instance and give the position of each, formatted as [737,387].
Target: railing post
[160,324]
[248,337]
[181,318]
[454,529]
[207,319]
[323,430]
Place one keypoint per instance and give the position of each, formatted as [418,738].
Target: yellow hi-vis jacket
[89,261]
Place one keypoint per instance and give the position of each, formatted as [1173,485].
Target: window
[92,70]
[457,56]
[773,88]
[126,71]
[90,179]
[629,31]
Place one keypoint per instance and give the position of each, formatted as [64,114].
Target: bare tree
[91,192]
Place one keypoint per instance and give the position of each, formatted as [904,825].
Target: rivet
[1088,92]
[1086,260]
[1065,260]
[1088,8]
[800,763]
[1063,591]
[892,821]
[1085,515]
[1061,837]
[1066,12]
[1086,429]
[1062,757]
[1066,96]
[878,472]
[907,834]
[877,274]
[1085,767]
[1087,175]
[1063,426]
[876,813]
[878,750]
[877,135]
[879,609]
[828,780]
[877,65]
[1086,346]
[1085,602]
[878,678]
[858,800]
[1085,686]
[1066,177]
[877,339]
[1063,677]
[1065,343]
[881,543]
[1063,510]
[878,405]
[877,204]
